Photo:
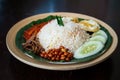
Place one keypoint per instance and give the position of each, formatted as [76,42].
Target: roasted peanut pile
[61,53]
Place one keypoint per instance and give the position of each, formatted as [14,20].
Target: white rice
[70,35]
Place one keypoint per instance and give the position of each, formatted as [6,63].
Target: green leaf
[59,20]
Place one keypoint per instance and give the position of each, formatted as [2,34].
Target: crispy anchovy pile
[33,45]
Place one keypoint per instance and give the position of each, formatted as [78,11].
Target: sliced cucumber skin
[98,38]
[80,52]
[100,32]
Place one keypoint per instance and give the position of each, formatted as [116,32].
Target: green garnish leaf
[80,19]
[59,20]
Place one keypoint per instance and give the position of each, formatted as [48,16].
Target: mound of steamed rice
[70,35]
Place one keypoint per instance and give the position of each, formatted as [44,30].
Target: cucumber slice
[98,38]
[88,49]
[100,32]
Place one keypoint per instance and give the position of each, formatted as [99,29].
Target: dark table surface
[12,11]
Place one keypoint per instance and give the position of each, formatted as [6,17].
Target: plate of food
[61,41]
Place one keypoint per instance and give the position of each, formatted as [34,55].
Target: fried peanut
[61,53]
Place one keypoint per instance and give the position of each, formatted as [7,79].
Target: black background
[12,11]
